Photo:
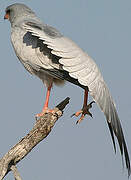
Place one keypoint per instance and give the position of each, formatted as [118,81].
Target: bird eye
[8,12]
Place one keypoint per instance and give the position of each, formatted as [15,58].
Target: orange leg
[45,107]
[47,98]
[85,109]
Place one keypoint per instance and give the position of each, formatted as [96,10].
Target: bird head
[17,11]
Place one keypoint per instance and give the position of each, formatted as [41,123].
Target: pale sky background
[70,152]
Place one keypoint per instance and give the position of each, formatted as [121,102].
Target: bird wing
[80,66]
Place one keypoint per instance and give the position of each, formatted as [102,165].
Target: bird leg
[47,98]
[45,107]
[85,108]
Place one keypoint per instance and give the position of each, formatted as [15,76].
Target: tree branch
[15,172]
[41,129]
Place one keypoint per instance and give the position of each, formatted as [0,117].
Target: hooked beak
[6,16]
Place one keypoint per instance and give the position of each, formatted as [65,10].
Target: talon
[81,118]
[45,111]
[77,113]
[90,105]
[72,115]
[39,115]
[84,111]
[90,114]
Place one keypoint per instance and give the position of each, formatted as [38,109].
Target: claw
[90,105]
[45,111]
[81,118]
[72,115]
[83,112]
[88,112]
[77,113]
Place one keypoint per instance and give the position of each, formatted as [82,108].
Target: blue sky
[103,29]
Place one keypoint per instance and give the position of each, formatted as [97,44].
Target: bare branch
[41,129]
[15,172]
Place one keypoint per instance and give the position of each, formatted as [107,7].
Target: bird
[54,58]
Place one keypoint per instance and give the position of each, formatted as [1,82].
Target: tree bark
[41,129]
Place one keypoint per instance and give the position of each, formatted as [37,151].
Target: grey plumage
[45,52]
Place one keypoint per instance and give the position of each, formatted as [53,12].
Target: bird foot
[44,111]
[83,112]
